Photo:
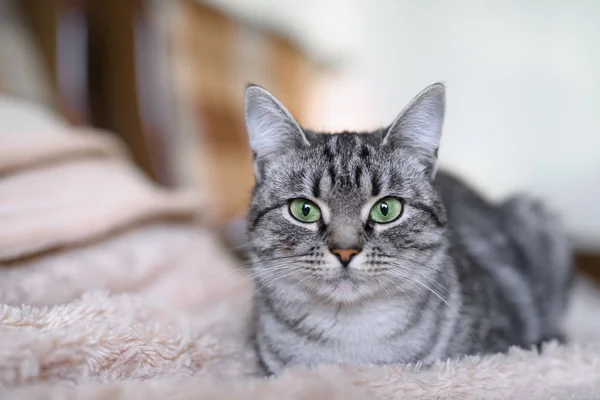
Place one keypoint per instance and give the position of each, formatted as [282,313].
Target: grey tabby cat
[362,254]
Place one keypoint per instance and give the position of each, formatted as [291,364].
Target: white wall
[523,82]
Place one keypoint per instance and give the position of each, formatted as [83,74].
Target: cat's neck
[402,305]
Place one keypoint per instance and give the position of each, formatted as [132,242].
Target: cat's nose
[345,255]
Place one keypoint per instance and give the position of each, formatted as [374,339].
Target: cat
[362,253]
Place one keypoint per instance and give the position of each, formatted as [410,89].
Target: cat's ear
[271,127]
[419,125]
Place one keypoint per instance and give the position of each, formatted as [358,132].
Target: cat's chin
[344,290]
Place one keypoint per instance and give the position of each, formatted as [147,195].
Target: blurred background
[168,76]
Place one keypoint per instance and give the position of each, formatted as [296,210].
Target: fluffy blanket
[111,289]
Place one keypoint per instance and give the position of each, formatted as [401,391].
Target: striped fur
[454,275]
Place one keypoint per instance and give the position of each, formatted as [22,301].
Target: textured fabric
[139,348]
[68,203]
[25,148]
[60,186]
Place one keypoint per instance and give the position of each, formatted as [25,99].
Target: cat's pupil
[305,209]
[384,209]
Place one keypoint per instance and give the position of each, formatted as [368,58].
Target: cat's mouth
[344,286]
[344,277]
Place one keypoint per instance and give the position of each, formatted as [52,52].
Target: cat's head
[349,216]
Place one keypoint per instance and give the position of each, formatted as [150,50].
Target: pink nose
[345,255]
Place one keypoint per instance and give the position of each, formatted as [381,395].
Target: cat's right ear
[419,125]
[271,127]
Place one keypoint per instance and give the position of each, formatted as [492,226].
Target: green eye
[386,210]
[305,210]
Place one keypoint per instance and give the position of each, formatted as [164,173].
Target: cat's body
[452,274]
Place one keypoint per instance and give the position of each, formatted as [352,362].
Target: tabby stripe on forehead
[364,152]
[357,175]
[375,185]
[316,185]
[328,154]
[262,213]
[332,175]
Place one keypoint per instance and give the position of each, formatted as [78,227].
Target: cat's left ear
[271,128]
[419,125]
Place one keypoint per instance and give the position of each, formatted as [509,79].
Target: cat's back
[464,205]
[519,251]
